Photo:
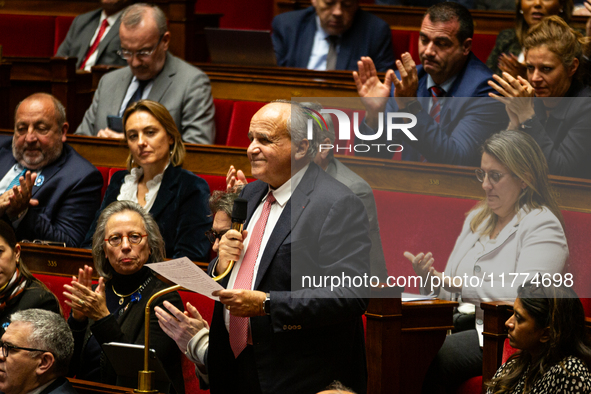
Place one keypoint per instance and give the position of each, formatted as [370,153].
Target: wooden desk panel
[409,177]
[86,387]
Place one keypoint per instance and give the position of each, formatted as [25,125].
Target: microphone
[239,211]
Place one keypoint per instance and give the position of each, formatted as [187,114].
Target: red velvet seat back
[418,223]
[400,42]
[240,122]
[205,307]
[27,35]
[239,14]
[62,25]
[482,45]
[578,227]
[106,178]
[223,115]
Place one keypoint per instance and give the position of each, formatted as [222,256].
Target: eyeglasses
[140,55]
[213,235]
[6,348]
[494,177]
[133,238]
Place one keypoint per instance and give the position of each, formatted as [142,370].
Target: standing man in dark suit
[273,331]
[448,130]
[152,73]
[331,35]
[36,351]
[50,192]
[93,37]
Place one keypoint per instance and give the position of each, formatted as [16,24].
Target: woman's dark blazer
[181,211]
[34,296]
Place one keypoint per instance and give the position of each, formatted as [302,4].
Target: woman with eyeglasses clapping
[126,238]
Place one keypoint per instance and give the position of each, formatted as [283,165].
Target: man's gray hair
[134,15]
[49,332]
[324,131]
[222,201]
[297,126]
[155,240]
[58,107]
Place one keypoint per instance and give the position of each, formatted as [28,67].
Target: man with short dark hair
[35,354]
[450,127]
[48,191]
[93,37]
[331,35]
[152,73]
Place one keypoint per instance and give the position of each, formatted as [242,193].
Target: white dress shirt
[282,194]
[319,49]
[111,19]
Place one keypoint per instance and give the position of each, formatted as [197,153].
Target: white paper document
[407,297]
[187,274]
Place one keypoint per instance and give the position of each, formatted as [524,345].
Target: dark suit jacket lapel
[163,80]
[168,190]
[119,91]
[6,162]
[49,171]
[304,49]
[86,35]
[111,35]
[288,219]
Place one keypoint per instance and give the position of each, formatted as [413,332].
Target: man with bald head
[48,191]
[273,332]
[151,73]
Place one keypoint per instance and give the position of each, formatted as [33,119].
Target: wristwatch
[528,124]
[267,304]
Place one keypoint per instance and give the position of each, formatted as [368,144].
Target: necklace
[138,290]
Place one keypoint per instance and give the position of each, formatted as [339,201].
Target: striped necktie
[96,42]
[436,93]
[239,325]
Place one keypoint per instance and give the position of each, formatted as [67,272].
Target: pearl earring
[521,12]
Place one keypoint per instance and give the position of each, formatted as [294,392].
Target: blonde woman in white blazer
[513,234]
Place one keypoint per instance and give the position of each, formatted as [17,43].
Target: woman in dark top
[548,326]
[19,290]
[552,105]
[125,239]
[507,55]
[176,198]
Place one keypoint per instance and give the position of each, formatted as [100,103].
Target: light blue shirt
[131,90]
[319,49]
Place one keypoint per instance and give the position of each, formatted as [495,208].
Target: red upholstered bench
[240,122]
[418,223]
[27,35]
[253,14]
[62,25]
[482,45]
[223,116]
[406,41]
[205,307]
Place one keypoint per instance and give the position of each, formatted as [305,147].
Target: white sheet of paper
[185,273]
[408,297]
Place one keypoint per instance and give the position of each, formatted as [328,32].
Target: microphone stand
[146,377]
